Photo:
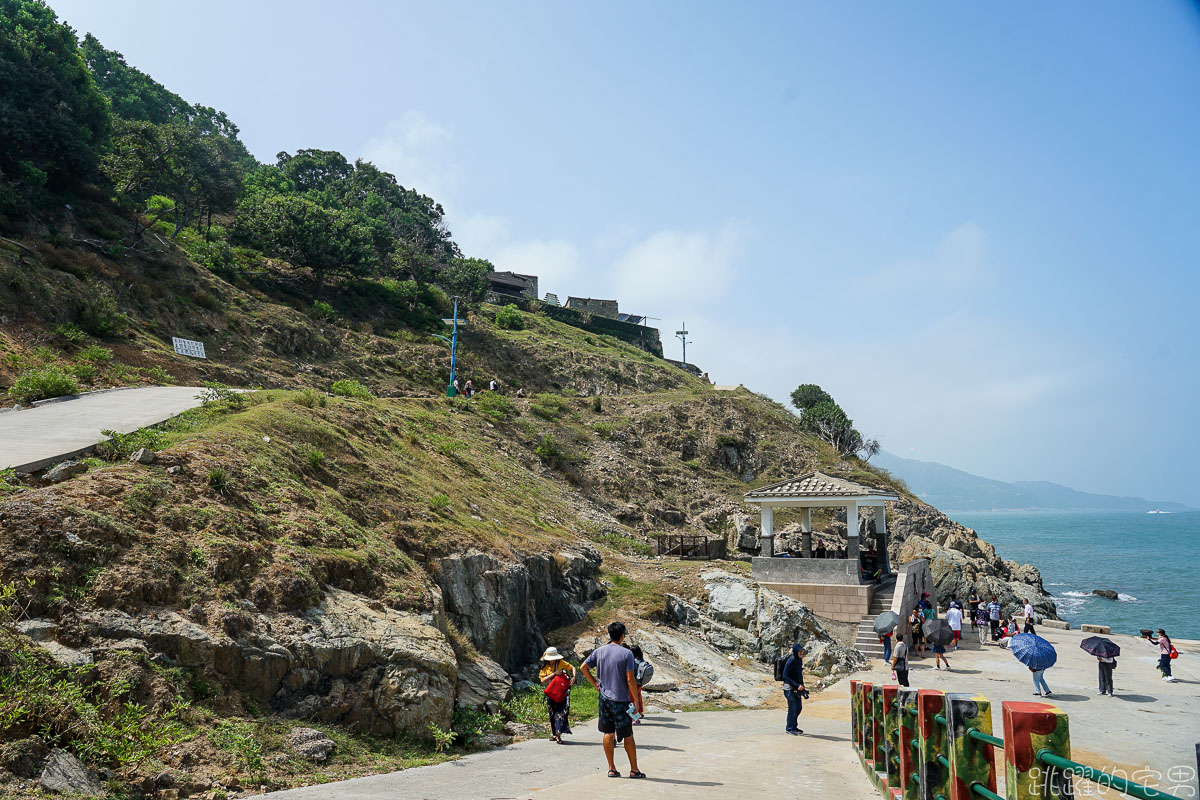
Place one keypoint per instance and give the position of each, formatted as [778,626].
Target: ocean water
[1151,560]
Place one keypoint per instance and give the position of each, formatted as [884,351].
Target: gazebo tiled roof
[815,485]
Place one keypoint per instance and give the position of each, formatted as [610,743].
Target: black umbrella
[1101,647]
[937,631]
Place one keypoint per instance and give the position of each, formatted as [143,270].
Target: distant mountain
[954,490]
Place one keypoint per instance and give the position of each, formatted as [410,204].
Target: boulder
[61,472]
[310,744]
[142,455]
[745,534]
[66,774]
[733,602]
[483,684]
[1107,593]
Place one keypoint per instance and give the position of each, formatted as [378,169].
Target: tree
[467,278]
[869,449]
[54,122]
[807,395]
[305,233]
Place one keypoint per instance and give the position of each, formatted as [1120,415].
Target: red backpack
[556,689]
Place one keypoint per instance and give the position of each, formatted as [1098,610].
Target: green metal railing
[981,790]
[986,738]
[1102,778]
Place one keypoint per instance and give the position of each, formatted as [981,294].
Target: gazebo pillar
[881,538]
[766,533]
[806,533]
[852,530]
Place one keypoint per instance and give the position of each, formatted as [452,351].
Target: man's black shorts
[614,718]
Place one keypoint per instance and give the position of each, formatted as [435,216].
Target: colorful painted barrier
[927,745]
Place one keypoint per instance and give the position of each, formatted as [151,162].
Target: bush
[220,479]
[510,318]
[439,502]
[120,446]
[316,458]
[311,398]
[548,406]
[495,405]
[95,354]
[347,388]
[215,392]
[597,404]
[42,382]
[550,451]
[322,311]
[69,333]
[98,314]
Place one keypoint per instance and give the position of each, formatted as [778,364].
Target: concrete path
[34,437]
[713,754]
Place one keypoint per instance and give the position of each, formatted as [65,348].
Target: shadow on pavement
[1137,698]
[827,737]
[683,783]
[1070,698]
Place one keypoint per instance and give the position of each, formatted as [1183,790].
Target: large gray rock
[66,774]
[745,534]
[61,472]
[483,684]
[733,602]
[505,607]
[310,744]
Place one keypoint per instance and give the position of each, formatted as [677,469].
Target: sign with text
[186,347]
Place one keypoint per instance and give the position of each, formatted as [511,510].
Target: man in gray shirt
[616,680]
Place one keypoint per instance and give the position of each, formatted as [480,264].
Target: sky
[975,225]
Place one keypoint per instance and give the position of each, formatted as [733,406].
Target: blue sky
[976,225]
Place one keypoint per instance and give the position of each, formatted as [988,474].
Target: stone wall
[841,571]
[912,581]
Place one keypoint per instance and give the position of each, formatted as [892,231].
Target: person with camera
[793,688]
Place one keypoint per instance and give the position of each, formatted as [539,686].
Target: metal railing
[879,722]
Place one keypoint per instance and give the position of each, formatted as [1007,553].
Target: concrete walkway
[714,754]
[34,437]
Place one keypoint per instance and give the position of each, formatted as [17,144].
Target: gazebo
[840,582]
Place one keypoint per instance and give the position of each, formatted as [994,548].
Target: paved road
[34,437]
[710,754]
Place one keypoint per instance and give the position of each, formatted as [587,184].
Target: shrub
[42,382]
[311,398]
[161,376]
[121,446]
[441,738]
[316,458]
[597,404]
[220,479]
[70,333]
[726,440]
[510,318]
[439,502]
[215,392]
[495,405]
[348,388]
[83,371]
[604,430]
[322,311]
[98,314]
[550,451]
[95,354]
[548,406]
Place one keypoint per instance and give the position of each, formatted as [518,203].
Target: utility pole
[682,336]
[453,340]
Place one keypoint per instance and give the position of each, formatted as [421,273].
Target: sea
[1152,561]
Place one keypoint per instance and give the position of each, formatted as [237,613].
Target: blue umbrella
[1033,651]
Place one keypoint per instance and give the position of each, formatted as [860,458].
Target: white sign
[186,347]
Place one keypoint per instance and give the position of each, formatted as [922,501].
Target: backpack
[779,664]
[556,689]
[644,672]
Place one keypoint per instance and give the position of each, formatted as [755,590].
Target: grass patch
[495,406]
[645,599]
[348,388]
[41,383]
[548,406]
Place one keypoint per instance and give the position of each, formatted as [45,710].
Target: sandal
[636,774]
[612,773]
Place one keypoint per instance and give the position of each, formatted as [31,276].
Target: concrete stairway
[867,642]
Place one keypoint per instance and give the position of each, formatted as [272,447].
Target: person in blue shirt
[793,688]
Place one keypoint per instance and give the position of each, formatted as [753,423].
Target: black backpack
[779,663]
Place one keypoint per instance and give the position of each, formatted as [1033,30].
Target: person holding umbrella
[938,634]
[1106,652]
[1039,655]
[883,626]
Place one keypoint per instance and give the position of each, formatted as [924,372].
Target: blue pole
[454,341]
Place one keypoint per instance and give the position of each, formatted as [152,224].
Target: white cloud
[960,259]
[417,151]
[678,268]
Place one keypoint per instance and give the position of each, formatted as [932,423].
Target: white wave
[1126,598]
[1058,584]
[1078,594]
[1068,605]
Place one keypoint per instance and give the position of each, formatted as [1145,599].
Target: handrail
[941,759]
[1102,778]
[916,778]
[912,712]
[940,718]
[986,738]
[981,790]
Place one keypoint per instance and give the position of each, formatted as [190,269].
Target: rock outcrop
[505,608]
[483,684]
[66,774]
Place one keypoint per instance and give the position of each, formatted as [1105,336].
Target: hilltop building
[513,284]
[603,308]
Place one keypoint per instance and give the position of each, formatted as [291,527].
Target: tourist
[1107,665]
[939,655]
[1166,651]
[915,620]
[926,606]
[900,661]
[820,549]
[493,386]
[469,390]
[616,681]
[981,622]
[520,392]
[1028,618]
[555,668]
[1039,682]
[793,688]
[955,602]
[886,641]
[457,388]
[954,616]
[994,612]
[973,603]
